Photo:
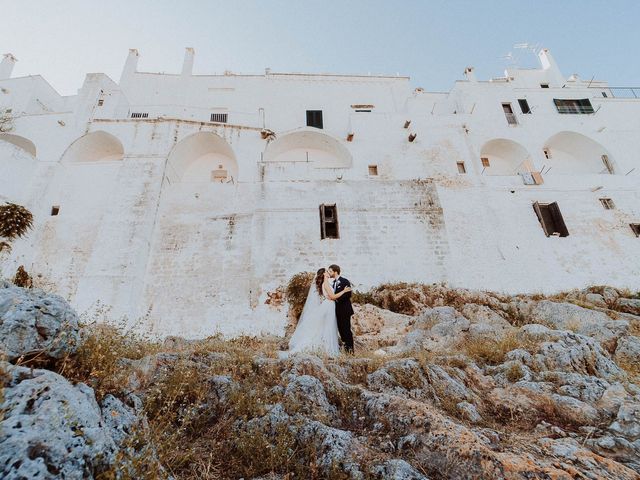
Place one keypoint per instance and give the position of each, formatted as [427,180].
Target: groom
[344,310]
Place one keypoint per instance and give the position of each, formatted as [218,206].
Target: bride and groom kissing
[326,315]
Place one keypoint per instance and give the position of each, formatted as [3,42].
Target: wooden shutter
[323,230]
[558,221]
[538,209]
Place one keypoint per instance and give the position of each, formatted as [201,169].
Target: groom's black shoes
[344,310]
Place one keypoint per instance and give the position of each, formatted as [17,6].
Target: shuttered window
[573,106]
[329,222]
[551,219]
[314,118]
[219,117]
[140,115]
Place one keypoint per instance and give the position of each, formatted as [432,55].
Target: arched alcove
[316,147]
[501,156]
[94,147]
[20,142]
[571,152]
[202,157]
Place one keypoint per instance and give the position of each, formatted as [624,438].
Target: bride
[317,329]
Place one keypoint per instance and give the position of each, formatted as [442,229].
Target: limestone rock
[628,351]
[52,429]
[629,305]
[308,394]
[34,321]
[396,469]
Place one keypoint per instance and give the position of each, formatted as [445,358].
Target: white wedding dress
[317,330]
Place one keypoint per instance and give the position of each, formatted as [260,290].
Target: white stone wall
[144,233]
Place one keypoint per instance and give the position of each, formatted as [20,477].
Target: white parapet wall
[180,201]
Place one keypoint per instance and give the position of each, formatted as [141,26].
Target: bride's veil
[313,301]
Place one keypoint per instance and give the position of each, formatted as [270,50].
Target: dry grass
[297,291]
[490,351]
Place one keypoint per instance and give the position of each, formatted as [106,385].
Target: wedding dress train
[317,330]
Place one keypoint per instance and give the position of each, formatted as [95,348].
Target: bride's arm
[328,291]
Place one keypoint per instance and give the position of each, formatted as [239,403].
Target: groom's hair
[335,268]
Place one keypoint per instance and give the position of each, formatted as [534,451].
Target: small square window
[607,203]
[485,162]
[547,153]
[100,102]
[544,85]
[461,167]
[373,170]
[604,94]
[314,118]
[55,210]
[635,227]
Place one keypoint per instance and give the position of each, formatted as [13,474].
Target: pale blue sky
[430,40]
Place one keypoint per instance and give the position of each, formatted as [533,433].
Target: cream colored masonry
[182,200]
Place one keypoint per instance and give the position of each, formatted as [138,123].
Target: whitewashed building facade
[181,200]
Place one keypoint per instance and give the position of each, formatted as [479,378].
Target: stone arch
[202,157]
[97,146]
[316,147]
[20,142]
[505,157]
[571,152]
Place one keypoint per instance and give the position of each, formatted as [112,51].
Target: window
[508,112]
[635,228]
[524,105]
[485,162]
[573,106]
[544,85]
[328,221]
[461,167]
[314,118]
[363,111]
[551,219]
[607,163]
[607,203]
[100,102]
[373,170]
[604,94]
[547,153]
[55,210]
[139,115]
[219,117]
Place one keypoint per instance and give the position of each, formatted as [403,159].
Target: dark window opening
[373,170]
[607,203]
[547,153]
[635,227]
[544,85]
[219,117]
[100,102]
[461,167]
[573,106]
[604,94]
[485,162]
[140,115]
[314,118]
[329,222]
[55,210]
[551,219]
[363,111]
[524,106]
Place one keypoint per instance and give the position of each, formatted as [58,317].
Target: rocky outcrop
[33,322]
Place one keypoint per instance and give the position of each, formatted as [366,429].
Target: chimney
[130,65]
[470,74]
[187,65]
[549,65]
[6,67]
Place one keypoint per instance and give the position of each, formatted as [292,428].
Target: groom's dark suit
[344,310]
